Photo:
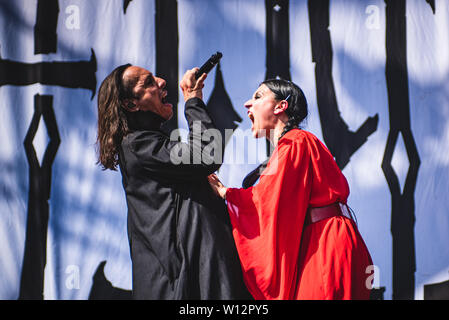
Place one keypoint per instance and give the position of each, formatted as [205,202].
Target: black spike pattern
[277,39]
[125,5]
[277,44]
[45,37]
[102,288]
[342,142]
[402,202]
[432,5]
[220,107]
[78,74]
[167,54]
[32,279]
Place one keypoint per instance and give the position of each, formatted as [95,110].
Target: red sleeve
[268,220]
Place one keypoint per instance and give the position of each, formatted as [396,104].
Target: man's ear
[280,107]
[130,106]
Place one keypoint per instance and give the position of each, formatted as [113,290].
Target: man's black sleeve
[170,158]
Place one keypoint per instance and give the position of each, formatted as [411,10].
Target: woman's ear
[130,106]
[280,107]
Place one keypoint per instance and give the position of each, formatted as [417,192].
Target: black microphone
[209,64]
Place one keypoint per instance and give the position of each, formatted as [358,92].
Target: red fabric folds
[280,258]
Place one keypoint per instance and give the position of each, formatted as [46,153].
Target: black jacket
[179,230]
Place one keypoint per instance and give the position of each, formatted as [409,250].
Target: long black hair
[112,121]
[297,109]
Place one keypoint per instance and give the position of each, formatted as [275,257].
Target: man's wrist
[193,94]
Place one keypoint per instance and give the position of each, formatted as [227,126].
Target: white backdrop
[87,205]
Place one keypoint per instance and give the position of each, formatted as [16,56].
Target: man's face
[149,92]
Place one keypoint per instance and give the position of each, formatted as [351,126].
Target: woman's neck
[275,134]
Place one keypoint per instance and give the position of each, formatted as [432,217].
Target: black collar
[144,120]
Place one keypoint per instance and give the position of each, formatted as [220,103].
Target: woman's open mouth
[251,116]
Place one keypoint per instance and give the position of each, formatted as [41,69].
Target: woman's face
[261,112]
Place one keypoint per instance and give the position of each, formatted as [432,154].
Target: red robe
[280,257]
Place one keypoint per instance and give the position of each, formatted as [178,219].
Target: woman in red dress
[294,237]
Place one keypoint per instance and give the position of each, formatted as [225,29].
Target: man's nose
[161,83]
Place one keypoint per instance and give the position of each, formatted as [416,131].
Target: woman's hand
[191,87]
[218,188]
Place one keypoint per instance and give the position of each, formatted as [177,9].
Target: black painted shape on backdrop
[277,44]
[277,61]
[432,5]
[102,288]
[403,202]
[78,74]
[167,54]
[277,39]
[342,142]
[377,293]
[125,5]
[32,279]
[220,109]
[437,291]
[45,37]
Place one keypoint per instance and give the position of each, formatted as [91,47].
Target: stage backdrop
[375,74]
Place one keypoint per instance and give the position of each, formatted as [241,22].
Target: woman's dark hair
[112,121]
[297,109]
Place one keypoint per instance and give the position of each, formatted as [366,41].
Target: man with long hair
[179,233]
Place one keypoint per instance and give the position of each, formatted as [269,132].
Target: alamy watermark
[206,146]
[72,280]
[72,21]
[372,21]
[373,279]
